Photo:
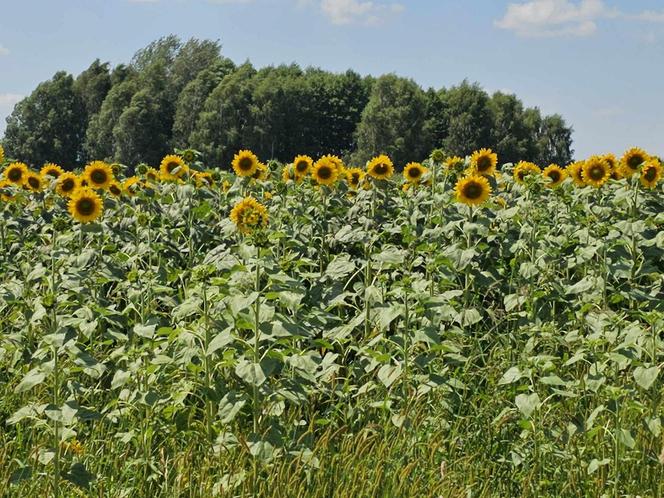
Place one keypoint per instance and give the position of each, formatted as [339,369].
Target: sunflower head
[413,172]
[555,174]
[455,163]
[325,172]
[472,190]
[523,169]
[437,156]
[172,168]
[354,177]
[262,172]
[380,167]
[632,160]
[302,166]
[98,174]
[7,193]
[203,179]
[249,215]
[575,172]
[16,173]
[2,155]
[152,175]
[245,163]
[66,184]
[50,171]
[596,171]
[85,205]
[115,189]
[484,162]
[131,185]
[651,173]
[34,182]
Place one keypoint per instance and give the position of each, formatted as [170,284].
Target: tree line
[176,94]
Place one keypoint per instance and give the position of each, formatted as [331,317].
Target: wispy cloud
[358,11]
[3,50]
[7,103]
[565,18]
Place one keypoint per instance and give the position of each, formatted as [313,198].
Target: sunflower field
[455,327]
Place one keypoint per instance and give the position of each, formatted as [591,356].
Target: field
[315,330]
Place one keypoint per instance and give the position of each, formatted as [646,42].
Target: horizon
[539,34]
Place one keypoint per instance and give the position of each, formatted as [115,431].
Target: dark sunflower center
[635,161]
[381,169]
[53,172]
[115,190]
[15,174]
[246,164]
[325,172]
[33,182]
[414,173]
[85,206]
[170,167]
[355,177]
[650,174]
[473,190]
[68,185]
[98,176]
[597,172]
[555,176]
[301,167]
[483,164]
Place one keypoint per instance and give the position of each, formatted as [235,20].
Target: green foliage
[185,96]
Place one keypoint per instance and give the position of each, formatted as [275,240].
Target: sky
[598,63]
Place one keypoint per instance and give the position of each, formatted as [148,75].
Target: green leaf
[120,378]
[219,341]
[146,331]
[229,406]
[79,475]
[527,403]
[33,378]
[581,286]
[251,373]
[512,375]
[645,377]
[625,437]
[387,374]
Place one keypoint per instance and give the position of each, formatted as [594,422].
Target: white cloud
[549,18]
[358,11]
[7,103]
[3,50]
[650,16]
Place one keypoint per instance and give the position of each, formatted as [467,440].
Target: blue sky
[596,62]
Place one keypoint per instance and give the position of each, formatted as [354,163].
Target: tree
[511,138]
[191,101]
[394,122]
[555,141]
[226,123]
[469,119]
[48,125]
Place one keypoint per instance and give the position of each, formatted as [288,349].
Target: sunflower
[302,166]
[203,179]
[34,182]
[66,184]
[554,173]
[52,170]
[413,172]
[631,161]
[98,174]
[473,190]
[152,175]
[614,165]
[575,172]
[245,163]
[651,174]
[325,172]
[16,173]
[226,186]
[262,172]
[483,162]
[85,205]
[172,167]
[2,155]
[354,177]
[248,215]
[6,192]
[455,162]
[131,185]
[380,167]
[523,169]
[338,163]
[596,171]
[115,189]
[287,173]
